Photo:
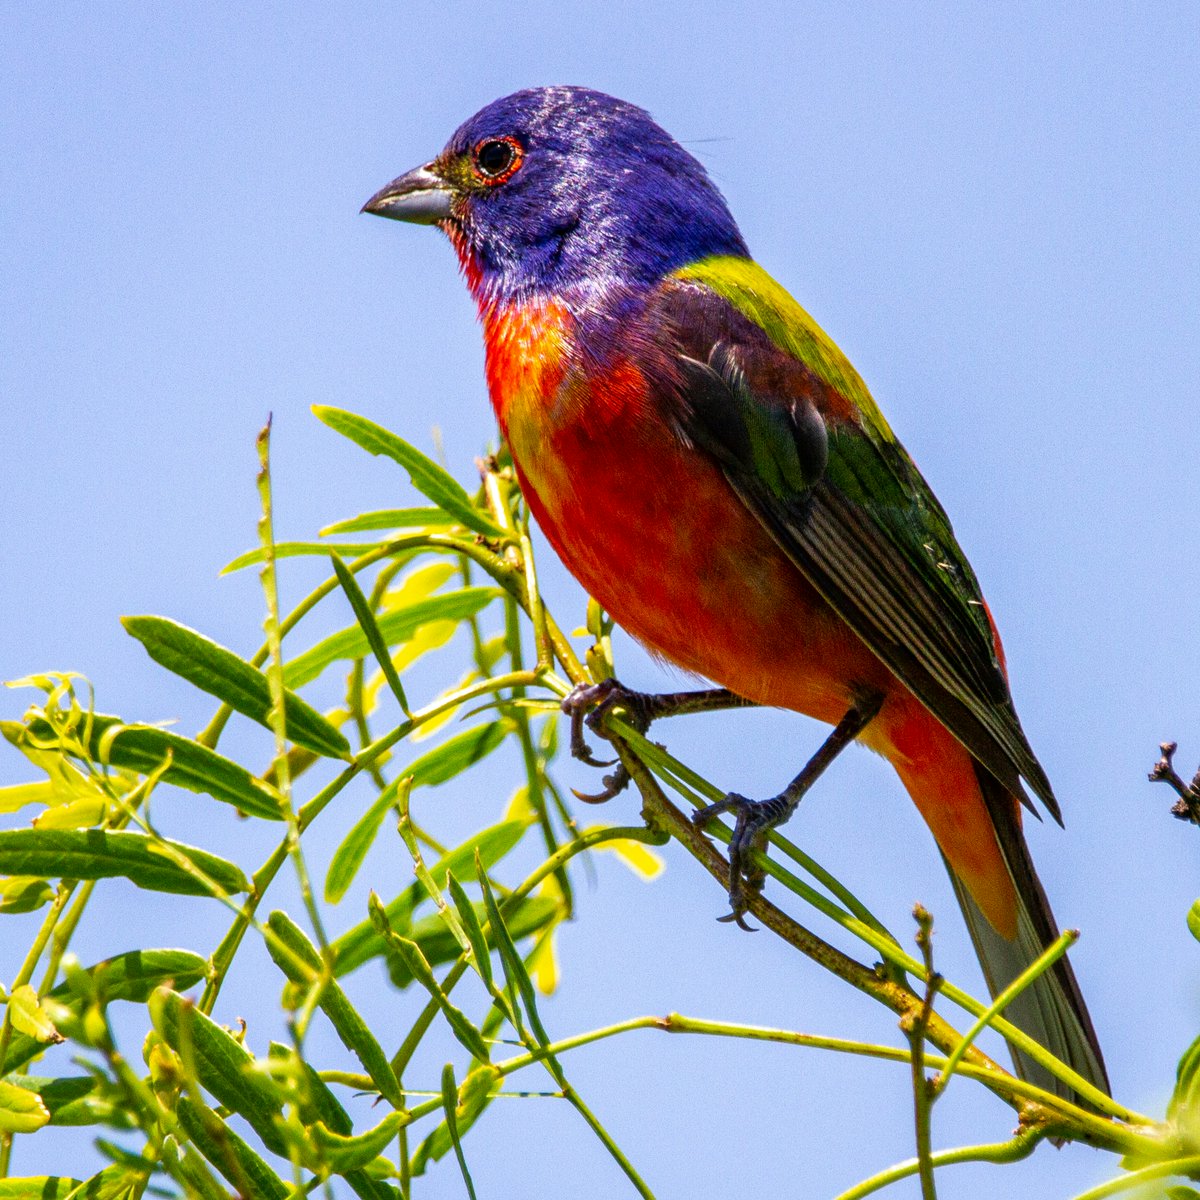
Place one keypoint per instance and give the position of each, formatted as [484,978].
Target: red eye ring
[496,160]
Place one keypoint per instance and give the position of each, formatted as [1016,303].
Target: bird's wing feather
[762,389]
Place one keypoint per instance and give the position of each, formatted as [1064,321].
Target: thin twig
[1187,808]
[915,1027]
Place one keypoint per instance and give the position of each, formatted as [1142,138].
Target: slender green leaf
[354,1032]
[396,626]
[1193,920]
[38,1187]
[345,1154]
[100,854]
[370,628]
[221,673]
[419,968]
[144,748]
[469,916]
[1184,1106]
[474,1096]
[316,1101]
[456,754]
[427,477]
[438,945]
[228,1153]
[349,856]
[450,1104]
[254,558]
[223,1066]
[363,942]
[504,935]
[390,518]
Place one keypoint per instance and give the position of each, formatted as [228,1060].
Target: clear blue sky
[992,208]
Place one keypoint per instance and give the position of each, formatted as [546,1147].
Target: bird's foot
[588,704]
[754,820]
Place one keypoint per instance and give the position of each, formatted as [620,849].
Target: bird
[712,469]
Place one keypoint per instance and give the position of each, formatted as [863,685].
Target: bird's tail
[1051,1010]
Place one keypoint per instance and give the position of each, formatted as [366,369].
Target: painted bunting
[712,469]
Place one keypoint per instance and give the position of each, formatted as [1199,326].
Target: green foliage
[204,1109]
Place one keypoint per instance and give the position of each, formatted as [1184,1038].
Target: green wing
[768,394]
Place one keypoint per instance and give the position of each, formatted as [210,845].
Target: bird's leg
[756,818]
[590,702]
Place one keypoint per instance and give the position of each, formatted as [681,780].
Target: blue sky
[993,211]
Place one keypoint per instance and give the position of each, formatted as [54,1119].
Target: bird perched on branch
[712,469]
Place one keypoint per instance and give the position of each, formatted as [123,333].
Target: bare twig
[915,1026]
[1187,808]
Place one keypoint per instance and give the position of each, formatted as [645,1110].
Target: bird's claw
[587,704]
[614,784]
[754,819]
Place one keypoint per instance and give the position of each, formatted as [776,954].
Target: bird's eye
[497,159]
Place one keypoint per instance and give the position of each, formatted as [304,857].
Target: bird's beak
[422,197]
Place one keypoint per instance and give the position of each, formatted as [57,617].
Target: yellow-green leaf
[28,1017]
[19,795]
[21,1111]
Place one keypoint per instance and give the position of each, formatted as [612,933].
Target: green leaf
[469,916]
[419,968]
[224,1067]
[132,976]
[395,627]
[450,1105]
[1193,920]
[122,1182]
[144,748]
[228,1153]
[349,856]
[354,1032]
[370,628]
[390,518]
[345,1153]
[100,854]
[28,1017]
[21,1111]
[474,1096]
[77,1100]
[38,1187]
[22,894]
[221,673]
[17,796]
[363,942]
[427,477]
[456,754]
[503,935]
[1180,1192]
[253,558]
[438,945]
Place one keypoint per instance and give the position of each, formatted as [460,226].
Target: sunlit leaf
[144,749]
[230,678]
[397,626]
[101,854]
[427,477]
[363,942]
[21,1111]
[28,1017]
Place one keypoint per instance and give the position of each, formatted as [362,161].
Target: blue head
[552,189]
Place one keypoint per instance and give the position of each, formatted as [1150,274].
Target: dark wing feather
[851,510]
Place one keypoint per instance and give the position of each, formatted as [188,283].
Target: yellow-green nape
[759,298]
